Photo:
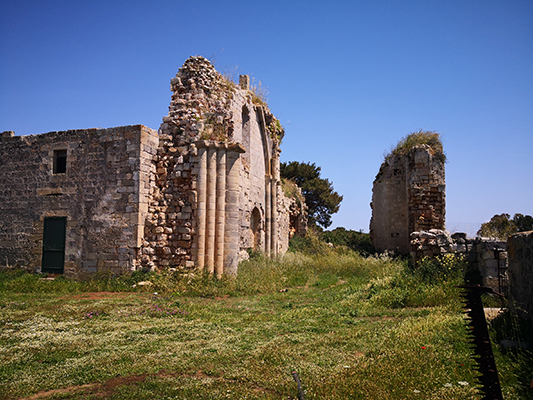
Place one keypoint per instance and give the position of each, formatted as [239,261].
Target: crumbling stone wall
[408,196]
[103,194]
[488,255]
[217,185]
[520,249]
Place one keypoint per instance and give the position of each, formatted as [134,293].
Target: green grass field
[351,327]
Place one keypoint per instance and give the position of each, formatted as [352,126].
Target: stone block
[460,248]
[491,264]
[184,243]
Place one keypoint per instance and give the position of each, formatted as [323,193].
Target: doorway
[54,245]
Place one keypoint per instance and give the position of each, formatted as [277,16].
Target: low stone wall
[520,247]
[489,255]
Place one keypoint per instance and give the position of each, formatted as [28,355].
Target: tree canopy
[502,226]
[321,199]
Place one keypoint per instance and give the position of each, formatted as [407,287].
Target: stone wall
[408,196]
[488,255]
[217,180]
[520,248]
[103,194]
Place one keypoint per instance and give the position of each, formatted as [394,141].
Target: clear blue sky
[347,79]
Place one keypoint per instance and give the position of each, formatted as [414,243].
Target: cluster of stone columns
[218,191]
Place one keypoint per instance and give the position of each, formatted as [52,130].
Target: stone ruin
[408,195]
[200,193]
[520,251]
[408,215]
[487,255]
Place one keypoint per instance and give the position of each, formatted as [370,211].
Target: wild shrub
[432,282]
[354,240]
[440,268]
[308,244]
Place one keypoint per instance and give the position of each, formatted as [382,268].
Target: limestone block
[184,243]
[491,265]
[184,229]
[461,248]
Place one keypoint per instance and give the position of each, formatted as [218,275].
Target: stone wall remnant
[488,255]
[520,250]
[408,196]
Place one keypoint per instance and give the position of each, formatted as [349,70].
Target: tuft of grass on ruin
[420,137]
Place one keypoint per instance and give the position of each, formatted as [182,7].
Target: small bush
[432,282]
[440,268]
[308,244]
[357,241]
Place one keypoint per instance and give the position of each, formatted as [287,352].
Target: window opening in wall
[60,161]
[255,225]
[245,127]
[54,231]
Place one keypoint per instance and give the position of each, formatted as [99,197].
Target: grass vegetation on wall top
[421,137]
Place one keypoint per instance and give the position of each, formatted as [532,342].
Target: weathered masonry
[75,201]
[520,247]
[199,193]
[408,195]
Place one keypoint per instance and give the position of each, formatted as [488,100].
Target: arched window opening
[255,225]
[245,127]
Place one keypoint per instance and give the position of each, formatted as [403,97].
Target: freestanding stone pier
[408,195]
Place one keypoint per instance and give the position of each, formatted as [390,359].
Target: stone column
[201,210]
[275,180]
[231,240]
[268,214]
[221,211]
[211,208]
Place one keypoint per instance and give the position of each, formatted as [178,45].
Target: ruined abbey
[200,192]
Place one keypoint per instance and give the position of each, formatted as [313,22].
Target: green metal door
[54,245]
